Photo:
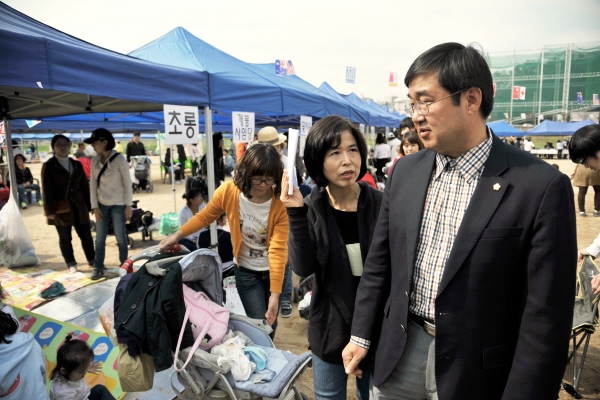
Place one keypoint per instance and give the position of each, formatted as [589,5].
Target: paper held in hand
[291,160]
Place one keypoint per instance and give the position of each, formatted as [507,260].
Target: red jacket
[87,166]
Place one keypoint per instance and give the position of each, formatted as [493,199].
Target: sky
[323,37]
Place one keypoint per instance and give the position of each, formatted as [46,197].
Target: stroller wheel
[129,242]
[296,295]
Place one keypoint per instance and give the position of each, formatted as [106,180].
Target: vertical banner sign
[284,67]
[305,125]
[181,124]
[350,74]
[243,126]
[579,97]
[372,132]
[393,80]
[515,92]
[522,93]
[595,100]
[291,161]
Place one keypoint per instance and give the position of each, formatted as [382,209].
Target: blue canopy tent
[46,72]
[377,117]
[386,111]
[503,128]
[553,128]
[335,104]
[236,85]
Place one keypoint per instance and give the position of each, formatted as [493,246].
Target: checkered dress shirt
[450,189]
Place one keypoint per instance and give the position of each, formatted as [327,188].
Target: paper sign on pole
[291,161]
[181,124]
[243,127]
[305,125]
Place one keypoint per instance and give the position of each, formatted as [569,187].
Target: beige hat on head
[269,135]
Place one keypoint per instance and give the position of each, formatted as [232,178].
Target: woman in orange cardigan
[259,229]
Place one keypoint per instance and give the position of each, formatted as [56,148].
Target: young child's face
[79,372]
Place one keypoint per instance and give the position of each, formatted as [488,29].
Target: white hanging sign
[305,125]
[181,124]
[242,124]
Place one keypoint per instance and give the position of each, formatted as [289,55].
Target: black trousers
[100,392]
[65,238]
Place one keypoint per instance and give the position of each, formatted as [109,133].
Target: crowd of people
[443,285]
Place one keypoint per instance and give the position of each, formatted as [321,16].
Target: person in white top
[528,145]
[381,156]
[111,196]
[393,142]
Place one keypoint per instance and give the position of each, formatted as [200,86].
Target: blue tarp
[503,128]
[552,128]
[233,84]
[377,116]
[45,72]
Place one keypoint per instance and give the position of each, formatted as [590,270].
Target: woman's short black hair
[55,139]
[584,143]
[380,139]
[260,159]
[411,137]
[324,135]
[70,356]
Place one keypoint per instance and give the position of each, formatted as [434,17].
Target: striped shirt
[452,184]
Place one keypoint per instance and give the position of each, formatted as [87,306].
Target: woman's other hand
[582,253]
[97,214]
[272,308]
[128,213]
[293,200]
[50,217]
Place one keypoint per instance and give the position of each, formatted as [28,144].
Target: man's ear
[473,97]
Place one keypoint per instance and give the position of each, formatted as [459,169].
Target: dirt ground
[291,333]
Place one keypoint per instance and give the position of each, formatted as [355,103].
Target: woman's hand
[50,216]
[128,213]
[272,308]
[581,254]
[170,240]
[294,200]
[596,284]
[97,214]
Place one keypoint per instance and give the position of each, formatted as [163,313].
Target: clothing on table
[135,149]
[23,368]
[227,199]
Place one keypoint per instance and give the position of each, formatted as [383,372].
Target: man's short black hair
[585,143]
[136,133]
[458,67]
[407,123]
[324,135]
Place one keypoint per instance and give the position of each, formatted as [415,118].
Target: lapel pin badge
[496,186]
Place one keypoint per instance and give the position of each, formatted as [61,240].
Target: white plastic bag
[16,248]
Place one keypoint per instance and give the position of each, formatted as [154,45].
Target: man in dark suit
[477,240]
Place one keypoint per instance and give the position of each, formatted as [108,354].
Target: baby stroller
[141,221]
[203,378]
[139,171]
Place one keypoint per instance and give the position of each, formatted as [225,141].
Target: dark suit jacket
[505,301]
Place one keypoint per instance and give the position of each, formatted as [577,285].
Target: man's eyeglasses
[422,107]
[259,181]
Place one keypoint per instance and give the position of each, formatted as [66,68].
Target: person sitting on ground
[23,366]
[194,203]
[74,359]
[225,247]
[25,181]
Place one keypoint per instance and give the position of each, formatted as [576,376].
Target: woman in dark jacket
[67,201]
[330,235]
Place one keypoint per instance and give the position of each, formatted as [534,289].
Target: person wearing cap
[393,142]
[111,196]
[269,135]
[25,181]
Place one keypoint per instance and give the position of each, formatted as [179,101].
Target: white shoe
[582,213]
[178,182]
[72,270]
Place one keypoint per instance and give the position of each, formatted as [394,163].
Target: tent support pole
[173,179]
[160,155]
[10,160]
[210,168]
